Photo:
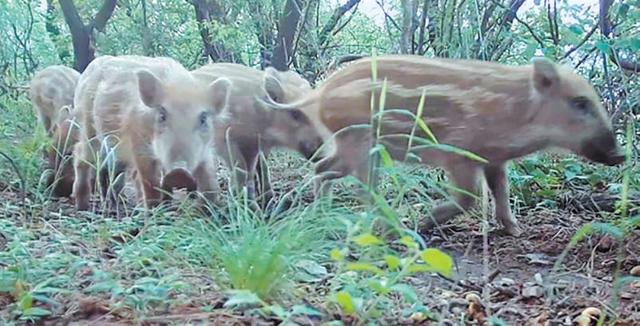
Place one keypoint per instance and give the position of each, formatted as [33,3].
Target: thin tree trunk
[287,28]
[407,20]
[81,34]
[206,12]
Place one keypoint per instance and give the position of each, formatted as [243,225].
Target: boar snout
[604,149]
[63,187]
[308,149]
[179,178]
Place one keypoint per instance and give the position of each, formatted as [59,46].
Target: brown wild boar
[51,91]
[155,117]
[496,111]
[249,128]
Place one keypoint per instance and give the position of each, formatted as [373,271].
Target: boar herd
[162,126]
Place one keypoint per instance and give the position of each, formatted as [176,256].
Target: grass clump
[267,255]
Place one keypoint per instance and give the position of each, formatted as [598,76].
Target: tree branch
[71,16]
[527,26]
[386,15]
[605,30]
[581,43]
[99,22]
[335,18]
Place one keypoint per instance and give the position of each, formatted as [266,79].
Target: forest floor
[107,270]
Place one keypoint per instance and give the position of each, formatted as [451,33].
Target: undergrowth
[141,265]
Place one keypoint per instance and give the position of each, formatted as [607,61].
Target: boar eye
[581,103]
[297,115]
[162,115]
[204,116]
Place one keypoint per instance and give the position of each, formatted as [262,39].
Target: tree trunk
[208,11]
[407,24]
[82,35]
[287,28]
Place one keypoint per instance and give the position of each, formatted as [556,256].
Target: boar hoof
[82,204]
[513,230]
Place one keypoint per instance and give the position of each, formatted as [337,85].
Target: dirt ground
[515,284]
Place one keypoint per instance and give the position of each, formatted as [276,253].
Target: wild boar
[51,91]
[154,117]
[249,128]
[496,111]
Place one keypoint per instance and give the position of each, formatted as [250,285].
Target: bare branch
[527,26]
[605,29]
[581,43]
[335,18]
[100,20]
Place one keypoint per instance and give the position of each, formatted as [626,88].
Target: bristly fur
[250,127]
[495,111]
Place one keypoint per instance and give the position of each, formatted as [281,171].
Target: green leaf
[305,310]
[454,150]
[495,321]
[26,302]
[393,262]
[623,10]
[576,29]
[420,268]
[278,311]
[441,262]
[426,130]
[336,254]
[407,291]
[635,44]
[310,271]
[36,312]
[346,302]
[242,297]
[364,267]
[387,161]
[367,239]
[603,46]
[408,242]
[378,287]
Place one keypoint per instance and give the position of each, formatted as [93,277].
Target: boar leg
[46,122]
[82,170]
[237,162]
[336,166]
[113,179]
[498,184]
[464,177]
[263,180]
[206,176]
[147,173]
[327,169]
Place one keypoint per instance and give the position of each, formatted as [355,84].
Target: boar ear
[272,84]
[545,75]
[219,92]
[150,87]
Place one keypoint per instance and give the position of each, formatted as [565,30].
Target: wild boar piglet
[496,111]
[155,118]
[51,91]
[250,128]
